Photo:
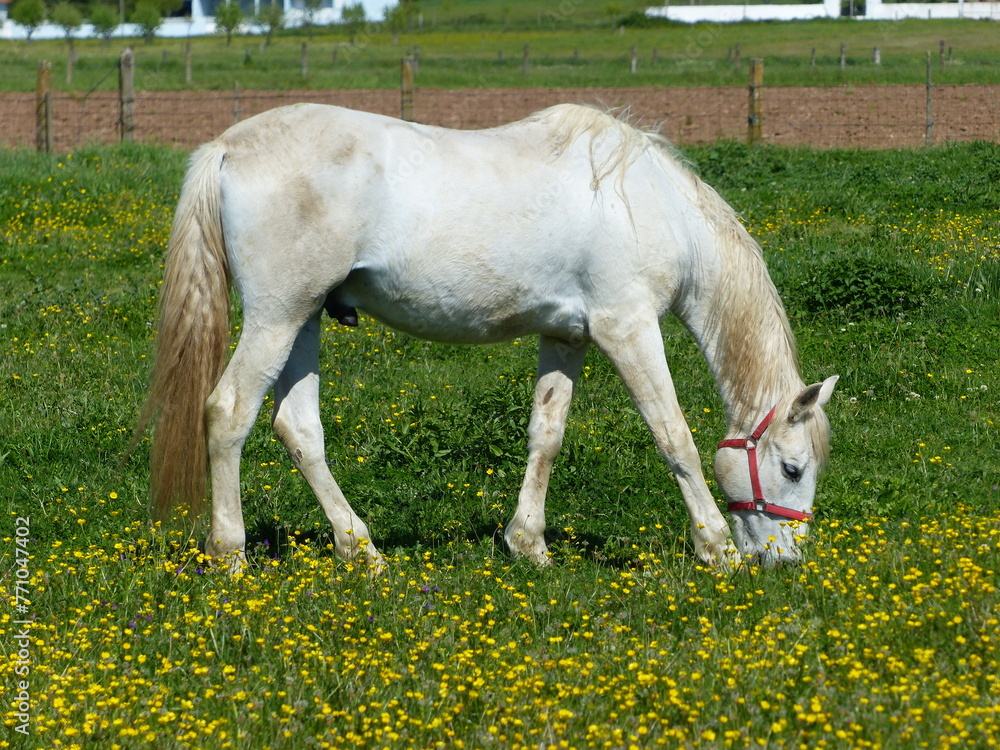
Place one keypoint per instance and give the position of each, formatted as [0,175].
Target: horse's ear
[817,394]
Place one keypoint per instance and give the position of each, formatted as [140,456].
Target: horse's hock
[823,117]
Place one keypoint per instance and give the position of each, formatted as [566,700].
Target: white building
[875,10]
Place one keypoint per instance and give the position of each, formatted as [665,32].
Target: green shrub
[870,286]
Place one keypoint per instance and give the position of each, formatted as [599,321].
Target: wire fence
[824,117]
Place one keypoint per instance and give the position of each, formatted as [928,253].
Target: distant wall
[736,13]
[875,10]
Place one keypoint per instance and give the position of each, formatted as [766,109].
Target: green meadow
[467,47]
[885,637]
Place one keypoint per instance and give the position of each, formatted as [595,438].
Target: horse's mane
[571,121]
[755,355]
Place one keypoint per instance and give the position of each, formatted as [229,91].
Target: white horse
[570,224]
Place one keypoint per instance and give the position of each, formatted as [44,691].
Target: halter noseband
[758,502]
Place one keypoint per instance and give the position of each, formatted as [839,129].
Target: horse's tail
[192,339]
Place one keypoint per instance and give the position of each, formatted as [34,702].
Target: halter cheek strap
[758,502]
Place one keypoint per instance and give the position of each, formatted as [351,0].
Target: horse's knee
[220,414]
[544,440]
[675,444]
[220,404]
[303,439]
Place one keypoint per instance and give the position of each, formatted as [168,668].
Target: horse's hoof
[375,562]
[233,563]
[519,548]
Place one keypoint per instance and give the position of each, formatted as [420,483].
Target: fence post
[526,62]
[237,112]
[43,107]
[756,109]
[929,127]
[126,94]
[843,55]
[406,89]
[187,62]
[635,58]
[305,59]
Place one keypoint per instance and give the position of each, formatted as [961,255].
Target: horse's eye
[791,471]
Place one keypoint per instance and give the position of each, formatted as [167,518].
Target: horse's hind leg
[296,422]
[636,350]
[230,412]
[559,365]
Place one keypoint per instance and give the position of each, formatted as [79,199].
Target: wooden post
[187,62]
[237,111]
[843,56]
[526,62]
[406,89]
[43,107]
[635,58]
[941,53]
[736,56]
[126,94]
[877,56]
[305,59]
[756,109]
[929,120]
[70,61]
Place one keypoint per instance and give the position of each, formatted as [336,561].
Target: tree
[614,11]
[148,17]
[69,18]
[228,17]
[104,19]
[28,13]
[270,19]
[309,9]
[354,20]
[395,20]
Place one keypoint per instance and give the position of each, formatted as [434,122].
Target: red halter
[758,502]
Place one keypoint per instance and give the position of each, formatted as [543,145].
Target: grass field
[589,54]
[886,637]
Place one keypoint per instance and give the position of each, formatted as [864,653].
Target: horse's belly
[465,313]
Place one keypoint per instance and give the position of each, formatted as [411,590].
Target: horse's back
[451,235]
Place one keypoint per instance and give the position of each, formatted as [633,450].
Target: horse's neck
[742,329]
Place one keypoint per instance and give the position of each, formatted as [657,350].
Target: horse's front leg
[296,422]
[559,365]
[636,350]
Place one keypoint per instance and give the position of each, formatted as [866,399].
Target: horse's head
[769,477]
